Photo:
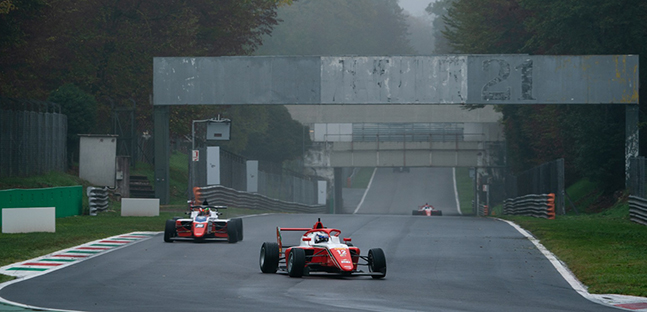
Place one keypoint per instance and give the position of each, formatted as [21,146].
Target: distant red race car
[427,210]
[203,223]
[319,250]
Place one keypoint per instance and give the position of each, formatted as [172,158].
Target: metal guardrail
[272,179]
[98,199]
[534,205]
[220,195]
[637,179]
[638,209]
[543,179]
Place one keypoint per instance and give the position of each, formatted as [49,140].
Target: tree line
[93,56]
[591,138]
[97,55]
[104,49]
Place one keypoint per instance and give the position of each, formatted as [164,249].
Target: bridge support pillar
[162,152]
[338,183]
[631,133]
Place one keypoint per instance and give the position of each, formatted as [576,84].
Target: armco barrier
[638,209]
[68,200]
[534,205]
[97,199]
[220,195]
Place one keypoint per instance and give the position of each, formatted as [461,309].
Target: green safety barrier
[68,200]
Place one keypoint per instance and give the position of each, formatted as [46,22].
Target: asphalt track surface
[402,192]
[448,263]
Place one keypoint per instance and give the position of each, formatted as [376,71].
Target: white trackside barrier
[140,207]
[27,220]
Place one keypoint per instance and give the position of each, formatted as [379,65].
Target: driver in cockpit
[321,238]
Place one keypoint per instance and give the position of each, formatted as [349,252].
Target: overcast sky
[415,7]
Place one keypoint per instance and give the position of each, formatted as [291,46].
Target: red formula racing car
[319,250]
[427,210]
[203,223]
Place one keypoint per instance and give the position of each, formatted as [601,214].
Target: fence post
[636,179]
[560,205]
[632,142]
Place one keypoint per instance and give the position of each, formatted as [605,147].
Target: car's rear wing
[279,239]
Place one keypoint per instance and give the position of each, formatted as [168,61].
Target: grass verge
[178,174]
[77,230]
[465,188]
[362,178]
[601,246]
[605,251]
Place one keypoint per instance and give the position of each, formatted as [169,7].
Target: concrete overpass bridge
[388,86]
[401,135]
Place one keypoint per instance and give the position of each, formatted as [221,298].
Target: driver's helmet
[207,212]
[321,237]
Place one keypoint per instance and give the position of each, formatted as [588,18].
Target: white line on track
[22,277]
[629,303]
[366,191]
[458,204]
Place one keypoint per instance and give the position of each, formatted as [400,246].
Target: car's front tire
[377,262]
[269,259]
[296,262]
[232,231]
[169,231]
[239,225]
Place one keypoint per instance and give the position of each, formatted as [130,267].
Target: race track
[448,263]
[401,192]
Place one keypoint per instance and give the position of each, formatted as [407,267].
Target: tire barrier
[97,199]
[483,210]
[220,195]
[534,205]
[638,209]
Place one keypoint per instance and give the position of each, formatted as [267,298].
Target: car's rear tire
[296,262]
[232,231]
[269,259]
[169,231]
[377,262]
